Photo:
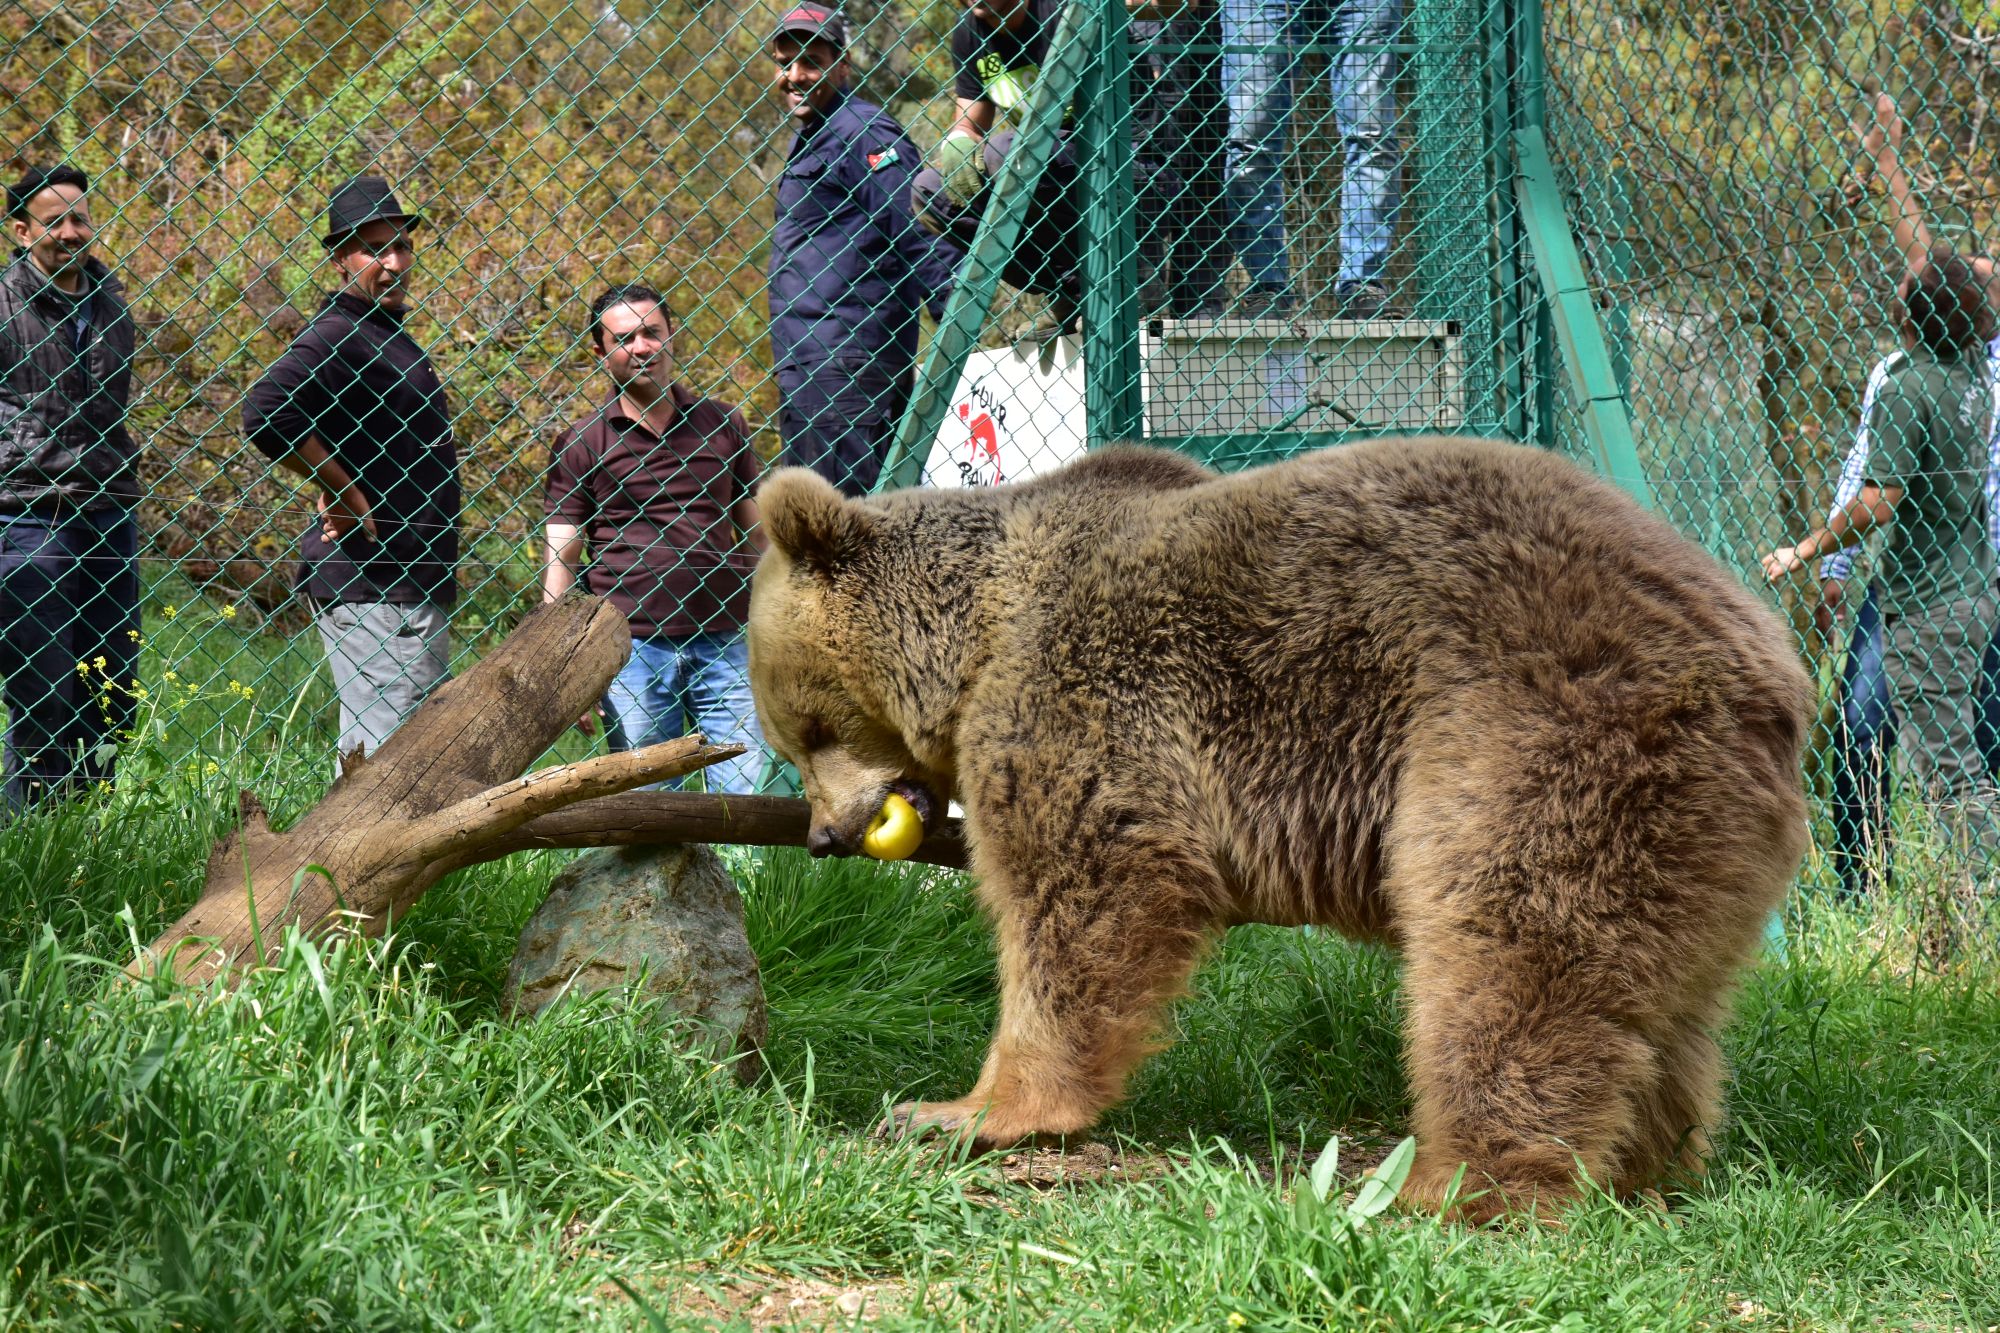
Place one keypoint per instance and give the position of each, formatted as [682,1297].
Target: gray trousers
[385,659]
[1933,663]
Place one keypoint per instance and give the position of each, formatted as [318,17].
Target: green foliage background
[555,148]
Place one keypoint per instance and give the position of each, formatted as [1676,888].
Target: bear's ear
[810,521]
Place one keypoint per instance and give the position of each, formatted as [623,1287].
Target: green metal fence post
[1011,197]
[1578,334]
[1114,408]
[1530,111]
[1571,311]
[1531,80]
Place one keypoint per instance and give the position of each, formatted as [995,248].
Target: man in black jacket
[355,407]
[69,579]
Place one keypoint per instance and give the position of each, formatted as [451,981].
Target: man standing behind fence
[850,268]
[1260,42]
[1860,793]
[659,482]
[355,406]
[69,578]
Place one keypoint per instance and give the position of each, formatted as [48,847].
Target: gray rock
[672,912]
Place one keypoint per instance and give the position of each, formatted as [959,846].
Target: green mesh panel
[1738,251]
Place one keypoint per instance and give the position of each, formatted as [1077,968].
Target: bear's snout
[825,840]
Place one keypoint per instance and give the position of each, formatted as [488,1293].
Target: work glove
[961,160]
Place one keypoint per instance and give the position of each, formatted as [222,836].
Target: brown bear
[1452,694]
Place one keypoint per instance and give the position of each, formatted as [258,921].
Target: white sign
[1017,413]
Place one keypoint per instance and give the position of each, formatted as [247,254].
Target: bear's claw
[976,1124]
[925,1119]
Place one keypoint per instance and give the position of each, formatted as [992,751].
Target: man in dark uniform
[355,406]
[69,572]
[850,267]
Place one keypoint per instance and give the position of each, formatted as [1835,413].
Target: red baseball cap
[811,21]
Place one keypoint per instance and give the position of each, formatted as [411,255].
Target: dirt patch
[764,1301]
[788,1302]
[1088,1163]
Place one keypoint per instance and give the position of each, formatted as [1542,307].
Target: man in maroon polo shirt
[657,483]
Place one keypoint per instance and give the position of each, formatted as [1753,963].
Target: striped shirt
[1854,468]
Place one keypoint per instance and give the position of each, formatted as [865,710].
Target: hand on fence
[1881,142]
[1785,561]
[587,724]
[346,512]
[1827,614]
[1886,130]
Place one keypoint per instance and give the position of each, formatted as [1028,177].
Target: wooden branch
[446,791]
[642,818]
[480,819]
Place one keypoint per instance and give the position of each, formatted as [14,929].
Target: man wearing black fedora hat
[356,408]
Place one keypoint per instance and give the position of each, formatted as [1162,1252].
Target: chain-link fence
[1769,199]
[1666,237]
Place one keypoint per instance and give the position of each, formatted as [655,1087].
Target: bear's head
[841,641]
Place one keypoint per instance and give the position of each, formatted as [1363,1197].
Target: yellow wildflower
[229,612]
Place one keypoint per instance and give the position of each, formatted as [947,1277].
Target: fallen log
[445,792]
[369,847]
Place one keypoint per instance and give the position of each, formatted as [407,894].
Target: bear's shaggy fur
[1452,694]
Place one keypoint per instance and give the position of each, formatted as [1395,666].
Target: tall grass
[352,1138]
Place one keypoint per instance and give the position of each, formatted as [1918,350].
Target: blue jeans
[69,598]
[1258,87]
[701,683]
[1867,739]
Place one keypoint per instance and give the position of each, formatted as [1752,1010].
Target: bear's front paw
[986,1127]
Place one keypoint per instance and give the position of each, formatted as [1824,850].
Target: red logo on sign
[982,447]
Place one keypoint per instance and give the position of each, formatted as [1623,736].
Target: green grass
[353,1139]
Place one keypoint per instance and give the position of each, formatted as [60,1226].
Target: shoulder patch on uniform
[880,158]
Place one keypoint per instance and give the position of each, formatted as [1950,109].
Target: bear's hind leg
[1086,965]
[1518,1072]
[1676,1112]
